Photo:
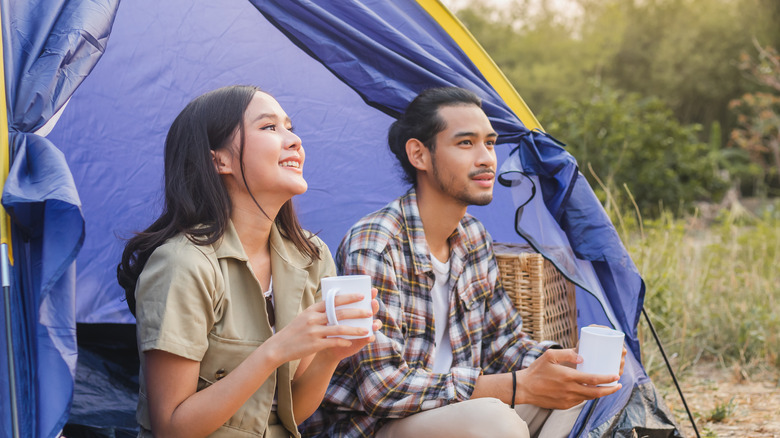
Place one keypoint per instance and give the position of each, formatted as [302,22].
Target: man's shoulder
[374,231]
[474,229]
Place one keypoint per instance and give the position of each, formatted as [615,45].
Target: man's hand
[550,382]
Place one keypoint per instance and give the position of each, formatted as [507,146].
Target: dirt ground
[748,404]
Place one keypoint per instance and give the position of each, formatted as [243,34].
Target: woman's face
[273,155]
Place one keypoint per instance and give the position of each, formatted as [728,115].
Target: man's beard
[463,196]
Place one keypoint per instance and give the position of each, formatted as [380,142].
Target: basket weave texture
[542,295]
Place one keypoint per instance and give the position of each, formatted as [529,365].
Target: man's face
[464,158]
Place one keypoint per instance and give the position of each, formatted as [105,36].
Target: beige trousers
[484,417]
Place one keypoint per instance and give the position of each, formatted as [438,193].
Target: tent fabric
[342,70]
[581,241]
[580,223]
[360,42]
[49,47]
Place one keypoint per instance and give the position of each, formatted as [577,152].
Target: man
[443,362]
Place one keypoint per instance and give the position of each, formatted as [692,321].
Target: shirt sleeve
[392,381]
[175,300]
[504,345]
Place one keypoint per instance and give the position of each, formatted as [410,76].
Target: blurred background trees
[678,100]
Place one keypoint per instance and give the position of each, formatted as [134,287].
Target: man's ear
[222,161]
[419,155]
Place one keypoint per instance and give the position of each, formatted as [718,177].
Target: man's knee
[491,417]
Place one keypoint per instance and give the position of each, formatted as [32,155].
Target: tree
[633,140]
[681,51]
[758,114]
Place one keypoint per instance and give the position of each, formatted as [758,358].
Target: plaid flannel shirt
[392,377]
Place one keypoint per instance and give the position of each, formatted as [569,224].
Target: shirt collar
[230,247]
[459,244]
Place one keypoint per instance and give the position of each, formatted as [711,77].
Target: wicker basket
[542,295]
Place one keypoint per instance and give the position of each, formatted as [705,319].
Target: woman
[224,284]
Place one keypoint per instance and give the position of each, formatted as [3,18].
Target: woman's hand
[313,374]
[309,332]
[338,353]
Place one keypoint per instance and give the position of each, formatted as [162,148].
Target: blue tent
[92,175]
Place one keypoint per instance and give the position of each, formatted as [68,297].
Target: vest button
[220,373]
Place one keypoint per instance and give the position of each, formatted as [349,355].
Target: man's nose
[486,156]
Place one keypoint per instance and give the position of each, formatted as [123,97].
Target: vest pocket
[221,358]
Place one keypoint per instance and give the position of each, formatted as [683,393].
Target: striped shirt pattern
[392,377]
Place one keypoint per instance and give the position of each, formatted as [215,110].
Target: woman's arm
[314,373]
[177,409]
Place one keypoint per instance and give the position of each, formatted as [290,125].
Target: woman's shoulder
[315,239]
[182,250]
[324,261]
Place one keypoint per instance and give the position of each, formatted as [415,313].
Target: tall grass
[713,288]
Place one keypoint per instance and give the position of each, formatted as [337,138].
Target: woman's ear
[222,161]
[418,154]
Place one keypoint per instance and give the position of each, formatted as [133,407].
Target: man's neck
[440,216]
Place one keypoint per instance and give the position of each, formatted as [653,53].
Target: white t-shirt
[270,294]
[440,293]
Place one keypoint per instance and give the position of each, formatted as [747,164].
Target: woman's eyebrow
[271,116]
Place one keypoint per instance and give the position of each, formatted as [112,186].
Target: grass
[713,294]
[713,287]
[722,411]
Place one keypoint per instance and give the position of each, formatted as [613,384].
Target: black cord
[671,372]
[514,389]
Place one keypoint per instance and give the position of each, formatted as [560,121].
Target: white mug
[348,284]
[601,349]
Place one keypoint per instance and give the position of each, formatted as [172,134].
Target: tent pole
[5,273]
[671,371]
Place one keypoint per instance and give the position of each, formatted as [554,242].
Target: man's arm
[546,376]
[505,346]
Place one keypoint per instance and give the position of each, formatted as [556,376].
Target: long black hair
[196,200]
[421,120]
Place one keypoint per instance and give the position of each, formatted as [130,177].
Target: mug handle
[330,305]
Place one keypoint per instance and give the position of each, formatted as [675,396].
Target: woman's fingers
[343,299]
[344,330]
[342,314]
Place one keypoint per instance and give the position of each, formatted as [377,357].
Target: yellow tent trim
[5,220]
[482,60]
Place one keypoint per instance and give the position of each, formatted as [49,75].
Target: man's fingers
[561,356]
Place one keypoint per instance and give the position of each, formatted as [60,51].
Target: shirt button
[220,373]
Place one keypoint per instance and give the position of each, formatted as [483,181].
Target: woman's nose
[293,141]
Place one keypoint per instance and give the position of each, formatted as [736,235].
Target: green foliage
[626,139]
[681,53]
[758,120]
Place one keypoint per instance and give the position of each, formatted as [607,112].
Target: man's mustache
[482,171]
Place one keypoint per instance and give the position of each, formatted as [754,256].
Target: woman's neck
[254,232]
[252,226]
